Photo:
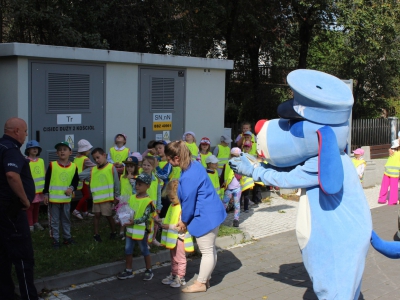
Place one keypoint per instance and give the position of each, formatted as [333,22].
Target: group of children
[388,193]
[146,181]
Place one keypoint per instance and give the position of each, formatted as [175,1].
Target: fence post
[393,128]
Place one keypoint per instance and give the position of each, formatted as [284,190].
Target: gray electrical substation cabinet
[70,94]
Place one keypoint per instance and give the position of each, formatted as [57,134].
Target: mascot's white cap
[318,97]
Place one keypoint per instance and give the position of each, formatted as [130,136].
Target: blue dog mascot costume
[305,149]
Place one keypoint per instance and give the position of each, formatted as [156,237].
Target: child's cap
[120,134]
[186,133]
[359,151]
[212,159]
[63,144]
[225,138]
[247,144]
[137,155]
[32,144]
[247,133]
[395,144]
[161,142]
[205,140]
[84,145]
[131,160]
[145,178]
[236,151]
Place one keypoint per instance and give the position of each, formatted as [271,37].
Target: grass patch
[85,253]
[227,230]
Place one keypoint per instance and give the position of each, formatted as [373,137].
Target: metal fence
[364,132]
[371,132]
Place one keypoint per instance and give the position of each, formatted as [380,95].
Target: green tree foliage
[266,40]
[363,45]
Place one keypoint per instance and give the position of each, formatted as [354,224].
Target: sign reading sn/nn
[162,121]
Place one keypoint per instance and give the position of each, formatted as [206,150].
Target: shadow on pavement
[295,274]
[227,263]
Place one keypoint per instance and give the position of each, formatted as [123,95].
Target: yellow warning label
[160,126]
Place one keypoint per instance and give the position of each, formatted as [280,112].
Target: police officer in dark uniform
[17,191]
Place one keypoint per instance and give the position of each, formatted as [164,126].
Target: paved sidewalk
[268,268]
[280,215]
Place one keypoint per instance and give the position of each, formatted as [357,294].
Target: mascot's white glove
[244,164]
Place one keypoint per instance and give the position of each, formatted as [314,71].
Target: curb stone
[103,271]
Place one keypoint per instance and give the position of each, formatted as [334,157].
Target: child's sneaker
[37,226]
[97,238]
[69,241]
[113,235]
[169,279]
[148,275]
[125,274]
[77,214]
[156,243]
[122,236]
[31,228]
[87,214]
[178,282]
[56,245]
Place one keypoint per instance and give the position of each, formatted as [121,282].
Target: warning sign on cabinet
[70,139]
[162,121]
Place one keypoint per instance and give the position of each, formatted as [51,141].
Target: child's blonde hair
[151,160]
[171,191]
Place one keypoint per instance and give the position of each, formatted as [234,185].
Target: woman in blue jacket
[202,210]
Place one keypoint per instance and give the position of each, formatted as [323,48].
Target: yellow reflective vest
[246,183]
[102,184]
[203,158]
[61,178]
[118,156]
[213,174]
[169,237]
[79,161]
[358,162]
[194,150]
[392,166]
[38,173]
[224,153]
[228,175]
[138,205]
[126,186]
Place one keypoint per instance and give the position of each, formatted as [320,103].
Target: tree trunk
[305,34]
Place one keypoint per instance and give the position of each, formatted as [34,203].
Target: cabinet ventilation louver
[68,92]
[162,93]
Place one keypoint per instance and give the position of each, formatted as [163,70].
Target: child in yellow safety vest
[359,162]
[154,192]
[106,190]
[137,230]
[118,153]
[61,181]
[222,151]
[246,183]
[83,162]
[190,138]
[127,181]
[177,242]
[204,151]
[232,187]
[212,166]
[391,176]
[36,165]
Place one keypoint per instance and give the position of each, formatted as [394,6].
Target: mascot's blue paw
[243,165]
[389,249]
